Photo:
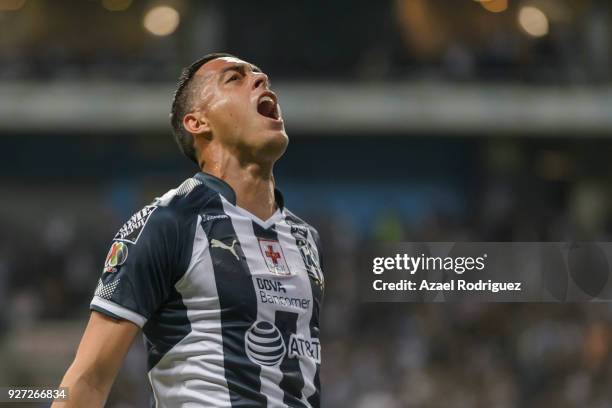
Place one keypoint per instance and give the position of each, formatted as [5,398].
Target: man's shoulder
[176,209]
[189,195]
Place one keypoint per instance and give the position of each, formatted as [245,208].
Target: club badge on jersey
[313,268]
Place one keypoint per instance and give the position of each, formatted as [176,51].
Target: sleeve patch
[131,230]
[117,255]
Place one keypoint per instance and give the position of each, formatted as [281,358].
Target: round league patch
[116,256]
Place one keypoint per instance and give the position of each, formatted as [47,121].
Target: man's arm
[101,352]
[137,278]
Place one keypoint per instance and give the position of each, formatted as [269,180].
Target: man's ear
[196,123]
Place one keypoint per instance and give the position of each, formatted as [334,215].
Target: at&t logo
[264,344]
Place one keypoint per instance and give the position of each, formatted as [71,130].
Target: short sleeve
[138,270]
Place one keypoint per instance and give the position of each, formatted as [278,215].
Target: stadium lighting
[116,5]
[494,6]
[11,5]
[533,21]
[161,20]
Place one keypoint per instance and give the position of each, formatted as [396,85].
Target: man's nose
[261,80]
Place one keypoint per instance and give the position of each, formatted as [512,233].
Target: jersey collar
[227,192]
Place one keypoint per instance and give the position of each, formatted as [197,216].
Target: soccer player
[224,281]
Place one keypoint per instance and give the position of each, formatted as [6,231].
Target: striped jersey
[228,303]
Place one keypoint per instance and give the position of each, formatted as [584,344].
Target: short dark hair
[182,104]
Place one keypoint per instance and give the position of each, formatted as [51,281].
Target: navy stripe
[166,328]
[261,232]
[169,324]
[317,300]
[238,309]
[292,381]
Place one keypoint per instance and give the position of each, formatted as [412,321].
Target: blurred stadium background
[417,120]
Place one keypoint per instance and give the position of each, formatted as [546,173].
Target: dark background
[415,120]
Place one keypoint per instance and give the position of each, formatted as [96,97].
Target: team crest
[116,256]
[311,260]
[273,255]
[131,230]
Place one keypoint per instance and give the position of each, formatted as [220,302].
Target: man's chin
[271,144]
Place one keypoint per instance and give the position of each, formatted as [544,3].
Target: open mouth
[267,106]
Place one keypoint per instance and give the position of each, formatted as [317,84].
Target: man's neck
[253,184]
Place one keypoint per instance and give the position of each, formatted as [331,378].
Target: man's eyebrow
[240,68]
[236,67]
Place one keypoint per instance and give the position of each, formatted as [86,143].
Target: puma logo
[215,243]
